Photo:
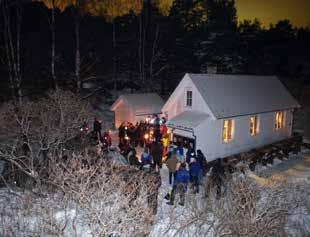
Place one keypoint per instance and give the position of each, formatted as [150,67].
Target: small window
[227,130]
[189,98]
[279,120]
[254,129]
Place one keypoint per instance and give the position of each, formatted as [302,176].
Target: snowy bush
[83,199]
[246,209]
[34,129]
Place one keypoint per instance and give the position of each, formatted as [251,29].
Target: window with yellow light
[279,120]
[254,126]
[228,130]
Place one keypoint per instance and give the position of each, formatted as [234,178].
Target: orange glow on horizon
[271,11]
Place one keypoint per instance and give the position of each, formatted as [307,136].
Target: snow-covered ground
[170,218]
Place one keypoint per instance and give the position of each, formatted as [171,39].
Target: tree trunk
[114,56]
[12,50]
[18,66]
[77,51]
[153,56]
[7,50]
[140,51]
[53,56]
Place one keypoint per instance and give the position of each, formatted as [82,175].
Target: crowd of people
[185,168]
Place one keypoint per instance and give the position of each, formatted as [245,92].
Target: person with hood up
[180,185]
[195,171]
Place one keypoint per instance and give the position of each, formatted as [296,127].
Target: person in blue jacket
[195,172]
[179,149]
[180,185]
[146,160]
[190,153]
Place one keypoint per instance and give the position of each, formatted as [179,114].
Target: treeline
[140,45]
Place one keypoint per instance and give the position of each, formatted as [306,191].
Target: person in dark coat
[133,159]
[156,153]
[157,134]
[203,162]
[171,164]
[180,185]
[121,132]
[137,134]
[217,176]
[195,171]
[97,128]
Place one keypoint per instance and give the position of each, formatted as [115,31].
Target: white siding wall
[124,113]
[178,104]
[209,135]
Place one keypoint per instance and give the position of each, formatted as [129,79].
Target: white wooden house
[136,107]
[227,114]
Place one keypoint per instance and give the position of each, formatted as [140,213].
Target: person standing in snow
[170,148]
[218,176]
[133,159]
[146,160]
[195,171]
[121,132]
[179,148]
[165,142]
[203,162]
[97,128]
[179,156]
[171,164]
[180,185]
[156,153]
[190,153]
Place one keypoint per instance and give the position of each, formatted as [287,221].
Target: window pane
[227,130]
[189,95]
[253,125]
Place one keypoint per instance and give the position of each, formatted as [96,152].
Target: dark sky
[270,11]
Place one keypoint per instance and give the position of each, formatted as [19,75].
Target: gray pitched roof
[237,95]
[142,103]
[188,119]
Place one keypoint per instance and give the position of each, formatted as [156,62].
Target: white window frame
[189,98]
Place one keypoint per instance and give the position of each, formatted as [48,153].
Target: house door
[185,141]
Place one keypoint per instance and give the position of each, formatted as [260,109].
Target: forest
[98,46]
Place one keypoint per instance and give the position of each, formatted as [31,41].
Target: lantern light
[146,136]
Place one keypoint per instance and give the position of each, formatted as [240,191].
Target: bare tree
[34,129]
[99,199]
[12,40]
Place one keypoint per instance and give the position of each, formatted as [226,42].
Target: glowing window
[227,130]
[189,98]
[254,129]
[279,120]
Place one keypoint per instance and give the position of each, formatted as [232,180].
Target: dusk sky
[270,11]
